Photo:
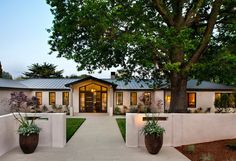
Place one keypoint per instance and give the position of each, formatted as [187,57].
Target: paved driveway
[98,139]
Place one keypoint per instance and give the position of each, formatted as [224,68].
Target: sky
[24,39]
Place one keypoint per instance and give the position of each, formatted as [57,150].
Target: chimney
[113,75]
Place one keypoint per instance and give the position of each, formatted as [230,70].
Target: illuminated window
[52,98]
[147,98]
[217,95]
[39,97]
[133,98]
[65,98]
[191,98]
[119,98]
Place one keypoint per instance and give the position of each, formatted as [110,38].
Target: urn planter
[28,143]
[153,143]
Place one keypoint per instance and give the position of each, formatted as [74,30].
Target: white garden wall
[184,129]
[53,132]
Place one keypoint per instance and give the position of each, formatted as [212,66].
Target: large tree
[147,38]
[45,70]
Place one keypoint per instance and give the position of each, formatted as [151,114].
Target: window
[39,97]
[133,98]
[119,98]
[147,98]
[65,98]
[191,99]
[52,98]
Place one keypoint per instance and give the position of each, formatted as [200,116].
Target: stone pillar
[110,102]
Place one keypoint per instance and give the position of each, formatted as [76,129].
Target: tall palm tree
[46,70]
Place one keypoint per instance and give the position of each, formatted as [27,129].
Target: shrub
[206,157]
[190,148]
[117,111]
[133,110]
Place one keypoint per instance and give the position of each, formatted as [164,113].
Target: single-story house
[95,95]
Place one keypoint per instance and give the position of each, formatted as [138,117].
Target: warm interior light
[168,99]
[93,90]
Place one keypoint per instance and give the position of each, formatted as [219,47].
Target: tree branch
[208,32]
[192,12]
[164,12]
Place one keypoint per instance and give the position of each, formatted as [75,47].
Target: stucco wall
[184,129]
[53,132]
[5,96]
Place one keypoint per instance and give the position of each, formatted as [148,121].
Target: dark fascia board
[34,89]
[135,90]
[91,78]
[192,89]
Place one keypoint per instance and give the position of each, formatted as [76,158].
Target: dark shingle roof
[59,84]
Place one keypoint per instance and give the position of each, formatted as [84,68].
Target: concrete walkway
[98,139]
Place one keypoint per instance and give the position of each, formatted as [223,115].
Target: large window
[93,98]
[133,98]
[119,98]
[65,98]
[147,98]
[52,98]
[191,99]
[39,97]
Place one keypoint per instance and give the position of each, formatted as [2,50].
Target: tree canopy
[45,70]
[147,38]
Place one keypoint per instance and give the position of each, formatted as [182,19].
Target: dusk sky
[23,37]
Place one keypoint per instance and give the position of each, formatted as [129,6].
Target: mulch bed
[217,150]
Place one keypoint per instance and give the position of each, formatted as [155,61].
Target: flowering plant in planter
[28,130]
[153,134]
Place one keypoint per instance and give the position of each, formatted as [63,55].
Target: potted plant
[153,134]
[28,130]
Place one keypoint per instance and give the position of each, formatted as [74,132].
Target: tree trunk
[178,103]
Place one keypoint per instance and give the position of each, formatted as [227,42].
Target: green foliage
[190,148]
[133,109]
[206,157]
[45,70]
[72,124]
[147,39]
[232,146]
[122,126]
[117,111]
[152,128]
[6,75]
[27,128]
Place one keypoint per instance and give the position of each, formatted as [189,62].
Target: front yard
[72,125]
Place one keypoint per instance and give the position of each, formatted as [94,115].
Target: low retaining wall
[53,133]
[184,129]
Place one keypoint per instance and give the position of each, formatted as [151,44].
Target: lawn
[72,124]
[121,124]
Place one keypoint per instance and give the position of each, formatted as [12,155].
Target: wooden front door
[89,102]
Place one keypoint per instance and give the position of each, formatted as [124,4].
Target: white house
[96,95]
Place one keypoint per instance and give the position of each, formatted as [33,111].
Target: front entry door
[89,102]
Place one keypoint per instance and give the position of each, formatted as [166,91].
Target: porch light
[93,90]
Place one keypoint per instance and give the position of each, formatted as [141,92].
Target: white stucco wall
[5,96]
[53,133]
[184,129]
[205,99]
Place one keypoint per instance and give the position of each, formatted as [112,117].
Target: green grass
[121,123]
[72,124]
